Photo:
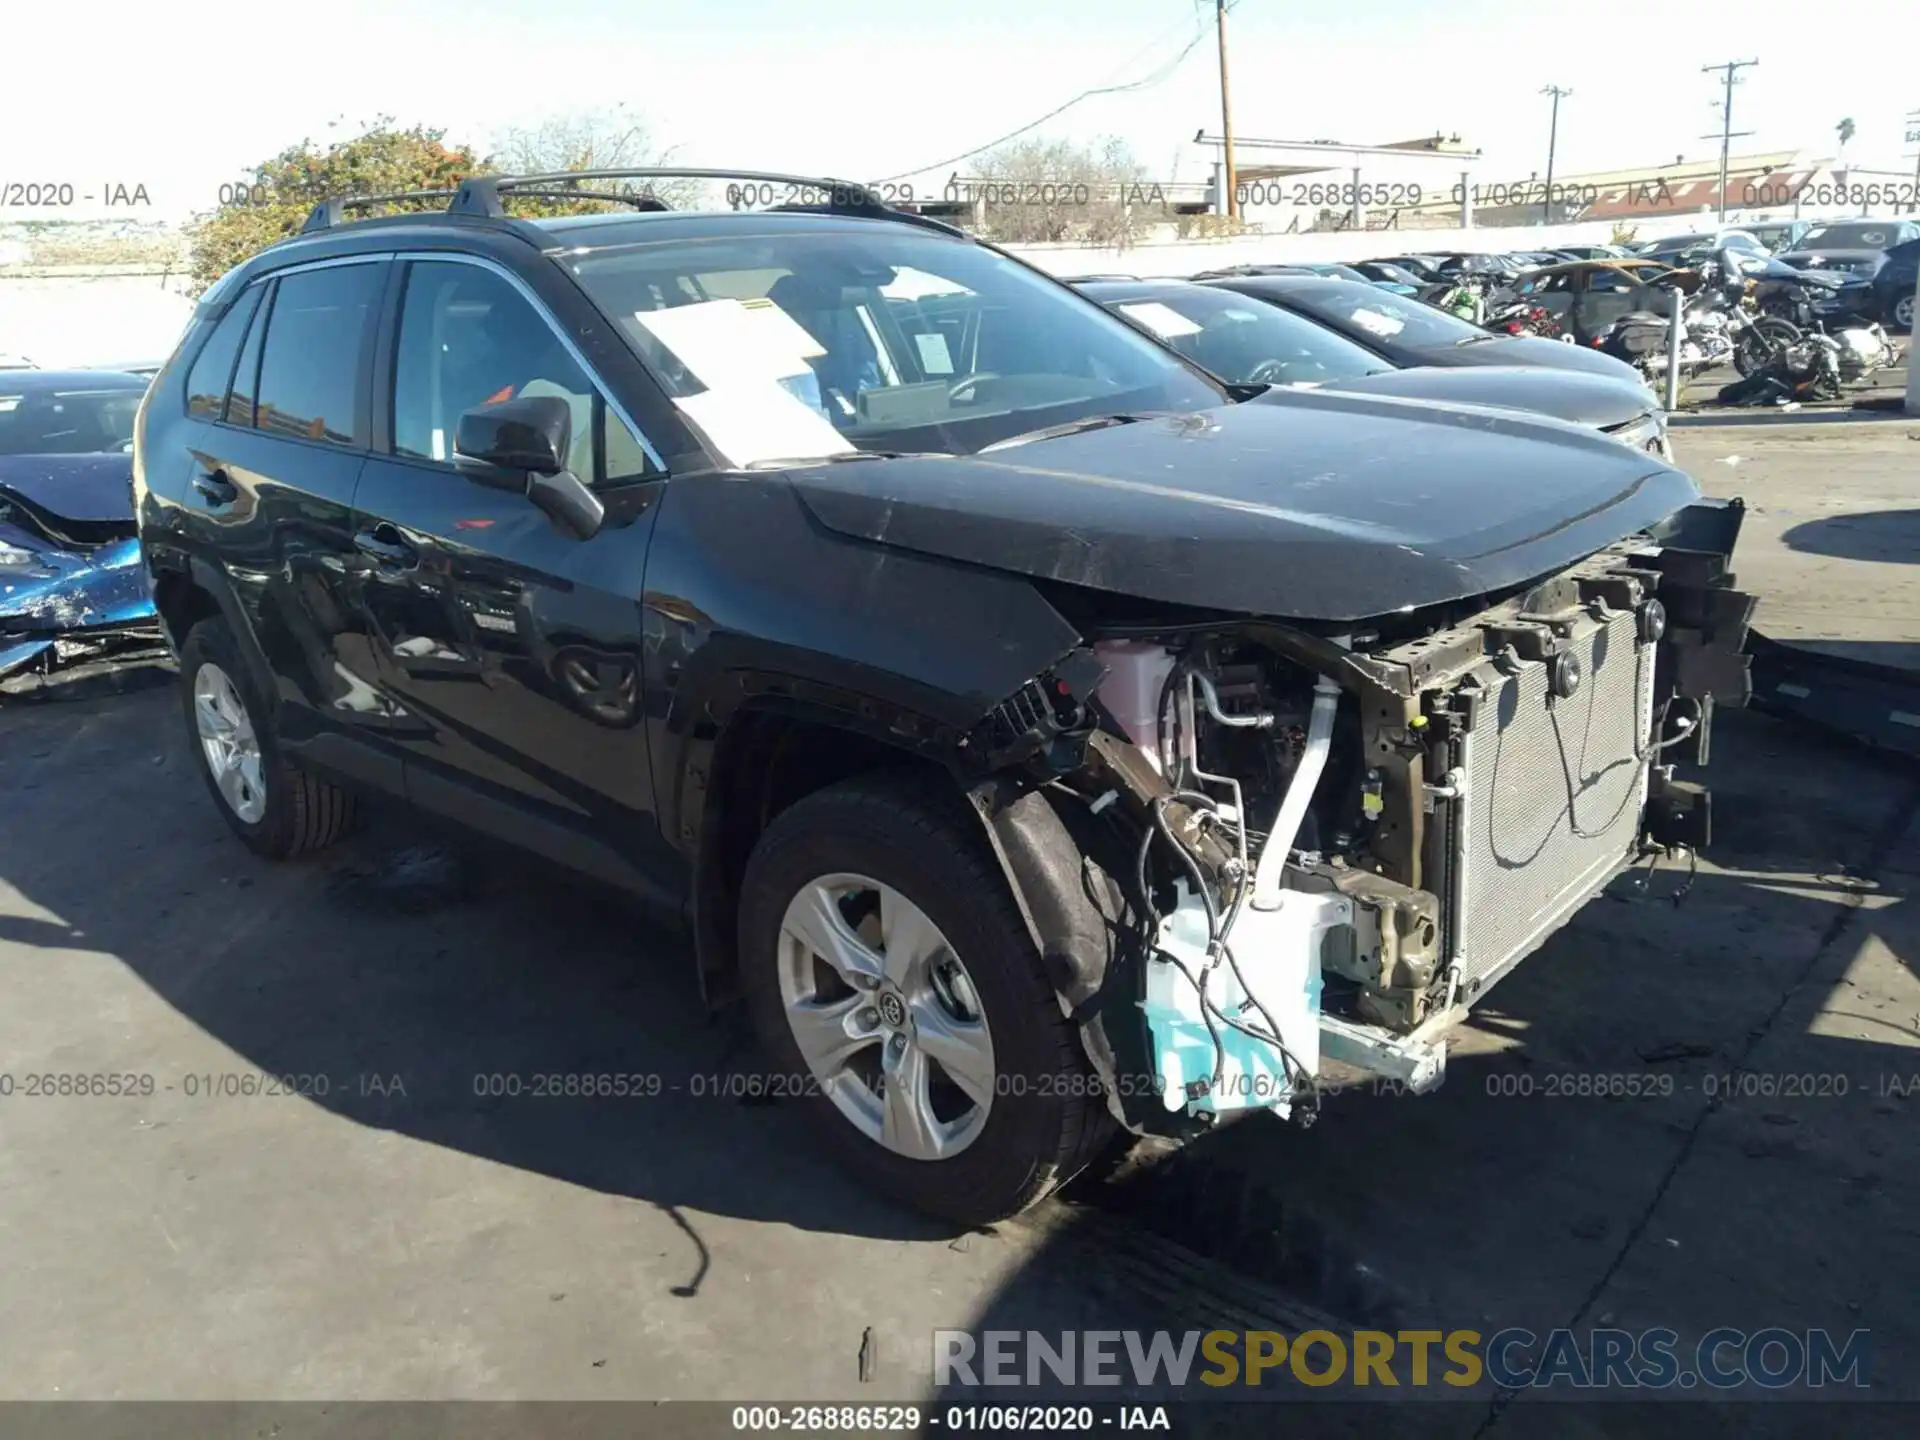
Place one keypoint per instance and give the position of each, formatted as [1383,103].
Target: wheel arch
[1060,863]
[773,749]
[191,590]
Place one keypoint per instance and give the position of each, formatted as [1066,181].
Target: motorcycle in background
[1719,325]
[1465,297]
[1522,317]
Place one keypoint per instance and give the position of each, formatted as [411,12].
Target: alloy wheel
[886,1016]
[229,743]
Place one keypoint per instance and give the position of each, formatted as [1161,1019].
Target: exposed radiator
[1551,796]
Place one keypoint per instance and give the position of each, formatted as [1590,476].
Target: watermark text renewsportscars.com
[1724,1358]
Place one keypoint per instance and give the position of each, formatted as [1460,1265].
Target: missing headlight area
[1334,840]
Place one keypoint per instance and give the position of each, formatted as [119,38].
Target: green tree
[385,159]
[281,192]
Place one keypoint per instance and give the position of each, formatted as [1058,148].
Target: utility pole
[1731,70]
[1553,136]
[1226,115]
[1913,138]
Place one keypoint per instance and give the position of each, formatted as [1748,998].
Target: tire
[1760,343]
[1045,1118]
[279,810]
[1900,315]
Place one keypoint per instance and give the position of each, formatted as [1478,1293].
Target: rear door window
[311,364]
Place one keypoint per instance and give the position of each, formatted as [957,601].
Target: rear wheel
[278,809]
[893,982]
[1763,342]
[1902,314]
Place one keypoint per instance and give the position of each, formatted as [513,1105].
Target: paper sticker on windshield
[1165,321]
[935,358]
[761,420]
[725,342]
[1378,322]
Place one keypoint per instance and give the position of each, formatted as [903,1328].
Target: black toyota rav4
[1039,737]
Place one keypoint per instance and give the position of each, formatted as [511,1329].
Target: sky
[181,96]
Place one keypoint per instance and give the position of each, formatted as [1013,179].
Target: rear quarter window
[212,373]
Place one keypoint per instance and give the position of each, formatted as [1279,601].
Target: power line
[1145,82]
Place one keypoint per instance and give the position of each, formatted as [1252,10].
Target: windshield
[1373,311]
[1381,270]
[1244,341]
[1338,272]
[797,344]
[76,421]
[1848,237]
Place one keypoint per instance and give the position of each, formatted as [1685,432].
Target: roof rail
[481,194]
[484,196]
[329,213]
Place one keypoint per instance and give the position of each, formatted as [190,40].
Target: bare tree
[608,138]
[1054,190]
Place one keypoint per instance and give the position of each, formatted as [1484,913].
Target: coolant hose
[1272,864]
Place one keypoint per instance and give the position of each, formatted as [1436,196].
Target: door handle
[384,544]
[214,487]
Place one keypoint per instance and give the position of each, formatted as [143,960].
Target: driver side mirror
[524,444]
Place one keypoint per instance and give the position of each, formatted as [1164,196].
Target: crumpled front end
[1326,842]
[60,604]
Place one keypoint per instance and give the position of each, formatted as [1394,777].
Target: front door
[512,647]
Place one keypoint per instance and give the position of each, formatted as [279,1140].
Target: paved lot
[402,1236]
[1832,538]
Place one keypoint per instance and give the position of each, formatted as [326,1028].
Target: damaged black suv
[1040,736]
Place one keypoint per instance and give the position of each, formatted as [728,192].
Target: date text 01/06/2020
[983,1419]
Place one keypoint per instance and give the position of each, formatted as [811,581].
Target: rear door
[512,647]
[283,434]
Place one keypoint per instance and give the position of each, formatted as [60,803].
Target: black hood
[1529,350]
[1855,264]
[1575,396]
[1311,505]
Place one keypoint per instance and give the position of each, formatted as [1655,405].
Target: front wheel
[1763,342]
[895,987]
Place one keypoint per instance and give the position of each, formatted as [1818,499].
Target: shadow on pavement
[423,984]
[1889,536]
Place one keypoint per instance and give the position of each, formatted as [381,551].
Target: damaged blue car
[71,585]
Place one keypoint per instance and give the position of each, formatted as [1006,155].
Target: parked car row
[1872,263]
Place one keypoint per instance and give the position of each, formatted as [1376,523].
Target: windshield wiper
[797,462]
[1071,427]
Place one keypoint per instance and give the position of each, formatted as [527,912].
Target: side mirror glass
[531,433]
